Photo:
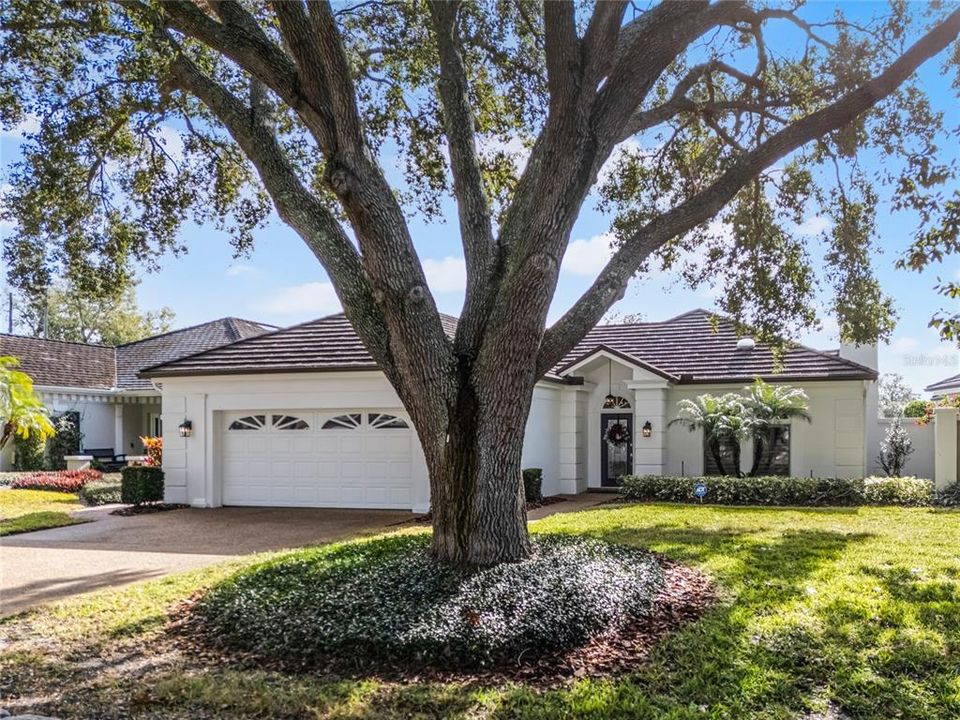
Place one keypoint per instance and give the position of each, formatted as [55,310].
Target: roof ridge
[189,327]
[241,341]
[62,342]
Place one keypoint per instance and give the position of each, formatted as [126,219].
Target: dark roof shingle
[688,349]
[684,349]
[946,383]
[102,367]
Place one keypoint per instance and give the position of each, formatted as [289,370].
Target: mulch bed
[686,596]
[427,518]
[147,509]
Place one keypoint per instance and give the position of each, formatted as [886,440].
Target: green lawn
[26,510]
[852,611]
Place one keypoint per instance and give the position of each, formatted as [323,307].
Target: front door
[615,460]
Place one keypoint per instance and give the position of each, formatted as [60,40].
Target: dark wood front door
[615,460]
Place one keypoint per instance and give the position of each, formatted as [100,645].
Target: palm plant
[767,406]
[722,418]
[21,411]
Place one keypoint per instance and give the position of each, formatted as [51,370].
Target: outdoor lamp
[647,429]
[186,428]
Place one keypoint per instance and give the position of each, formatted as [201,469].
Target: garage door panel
[275,464]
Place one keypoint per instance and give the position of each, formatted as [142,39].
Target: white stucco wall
[96,418]
[833,444]
[540,446]
[921,462]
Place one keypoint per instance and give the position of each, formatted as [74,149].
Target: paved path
[53,564]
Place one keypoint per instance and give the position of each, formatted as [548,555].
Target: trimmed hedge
[385,600]
[141,484]
[100,493]
[777,490]
[533,485]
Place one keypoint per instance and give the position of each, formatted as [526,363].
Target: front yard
[28,510]
[825,613]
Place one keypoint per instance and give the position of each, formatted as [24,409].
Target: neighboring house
[303,417]
[947,386]
[99,384]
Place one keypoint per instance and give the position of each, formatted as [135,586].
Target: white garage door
[344,459]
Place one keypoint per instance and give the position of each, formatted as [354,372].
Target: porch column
[649,406]
[945,431]
[572,478]
[118,448]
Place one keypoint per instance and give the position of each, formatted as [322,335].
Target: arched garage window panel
[289,422]
[343,422]
[250,422]
[382,421]
[615,402]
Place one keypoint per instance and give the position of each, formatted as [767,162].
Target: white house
[942,388]
[99,385]
[303,417]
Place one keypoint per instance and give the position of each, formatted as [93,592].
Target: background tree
[22,413]
[295,104]
[895,393]
[64,312]
[766,407]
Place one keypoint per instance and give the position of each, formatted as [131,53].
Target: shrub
[533,485]
[67,440]
[60,481]
[386,600]
[100,493]
[949,496]
[153,447]
[28,452]
[916,408]
[141,484]
[724,490]
[897,491]
[895,449]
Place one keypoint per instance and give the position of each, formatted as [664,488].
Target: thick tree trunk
[477,499]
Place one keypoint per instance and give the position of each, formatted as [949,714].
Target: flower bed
[69,481]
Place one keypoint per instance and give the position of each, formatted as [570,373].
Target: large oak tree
[673,113]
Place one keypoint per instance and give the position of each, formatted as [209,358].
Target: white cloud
[312,299]
[172,142]
[29,124]
[240,269]
[904,344]
[588,256]
[446,275]
[814,226]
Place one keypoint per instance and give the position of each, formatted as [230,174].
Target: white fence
[921,462]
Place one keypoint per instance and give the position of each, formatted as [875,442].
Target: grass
[854,611]
[27,510]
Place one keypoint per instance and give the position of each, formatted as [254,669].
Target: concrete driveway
[52,564]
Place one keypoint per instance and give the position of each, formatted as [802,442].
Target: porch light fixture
[185,428]
[647,429]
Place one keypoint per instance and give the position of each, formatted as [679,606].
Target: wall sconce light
[647,429]
[185,428]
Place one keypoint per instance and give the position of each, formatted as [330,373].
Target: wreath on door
[617,435]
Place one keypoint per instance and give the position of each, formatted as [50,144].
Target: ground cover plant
[28,510]
[845,613]
[387,600]
[66,481]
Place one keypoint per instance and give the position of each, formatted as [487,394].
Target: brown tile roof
[102,367]
[950,382]
[329,343]
[133,357]
[63,364]
[684,349]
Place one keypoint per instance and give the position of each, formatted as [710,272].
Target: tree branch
[611,284]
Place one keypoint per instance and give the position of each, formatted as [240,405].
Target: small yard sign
[700,491]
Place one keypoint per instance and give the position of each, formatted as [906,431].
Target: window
[775,452]
[615,402]
[727,450]
[250,422]
[380,421]
[343,422]
[289,422]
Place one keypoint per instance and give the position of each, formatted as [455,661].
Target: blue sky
[282,283]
